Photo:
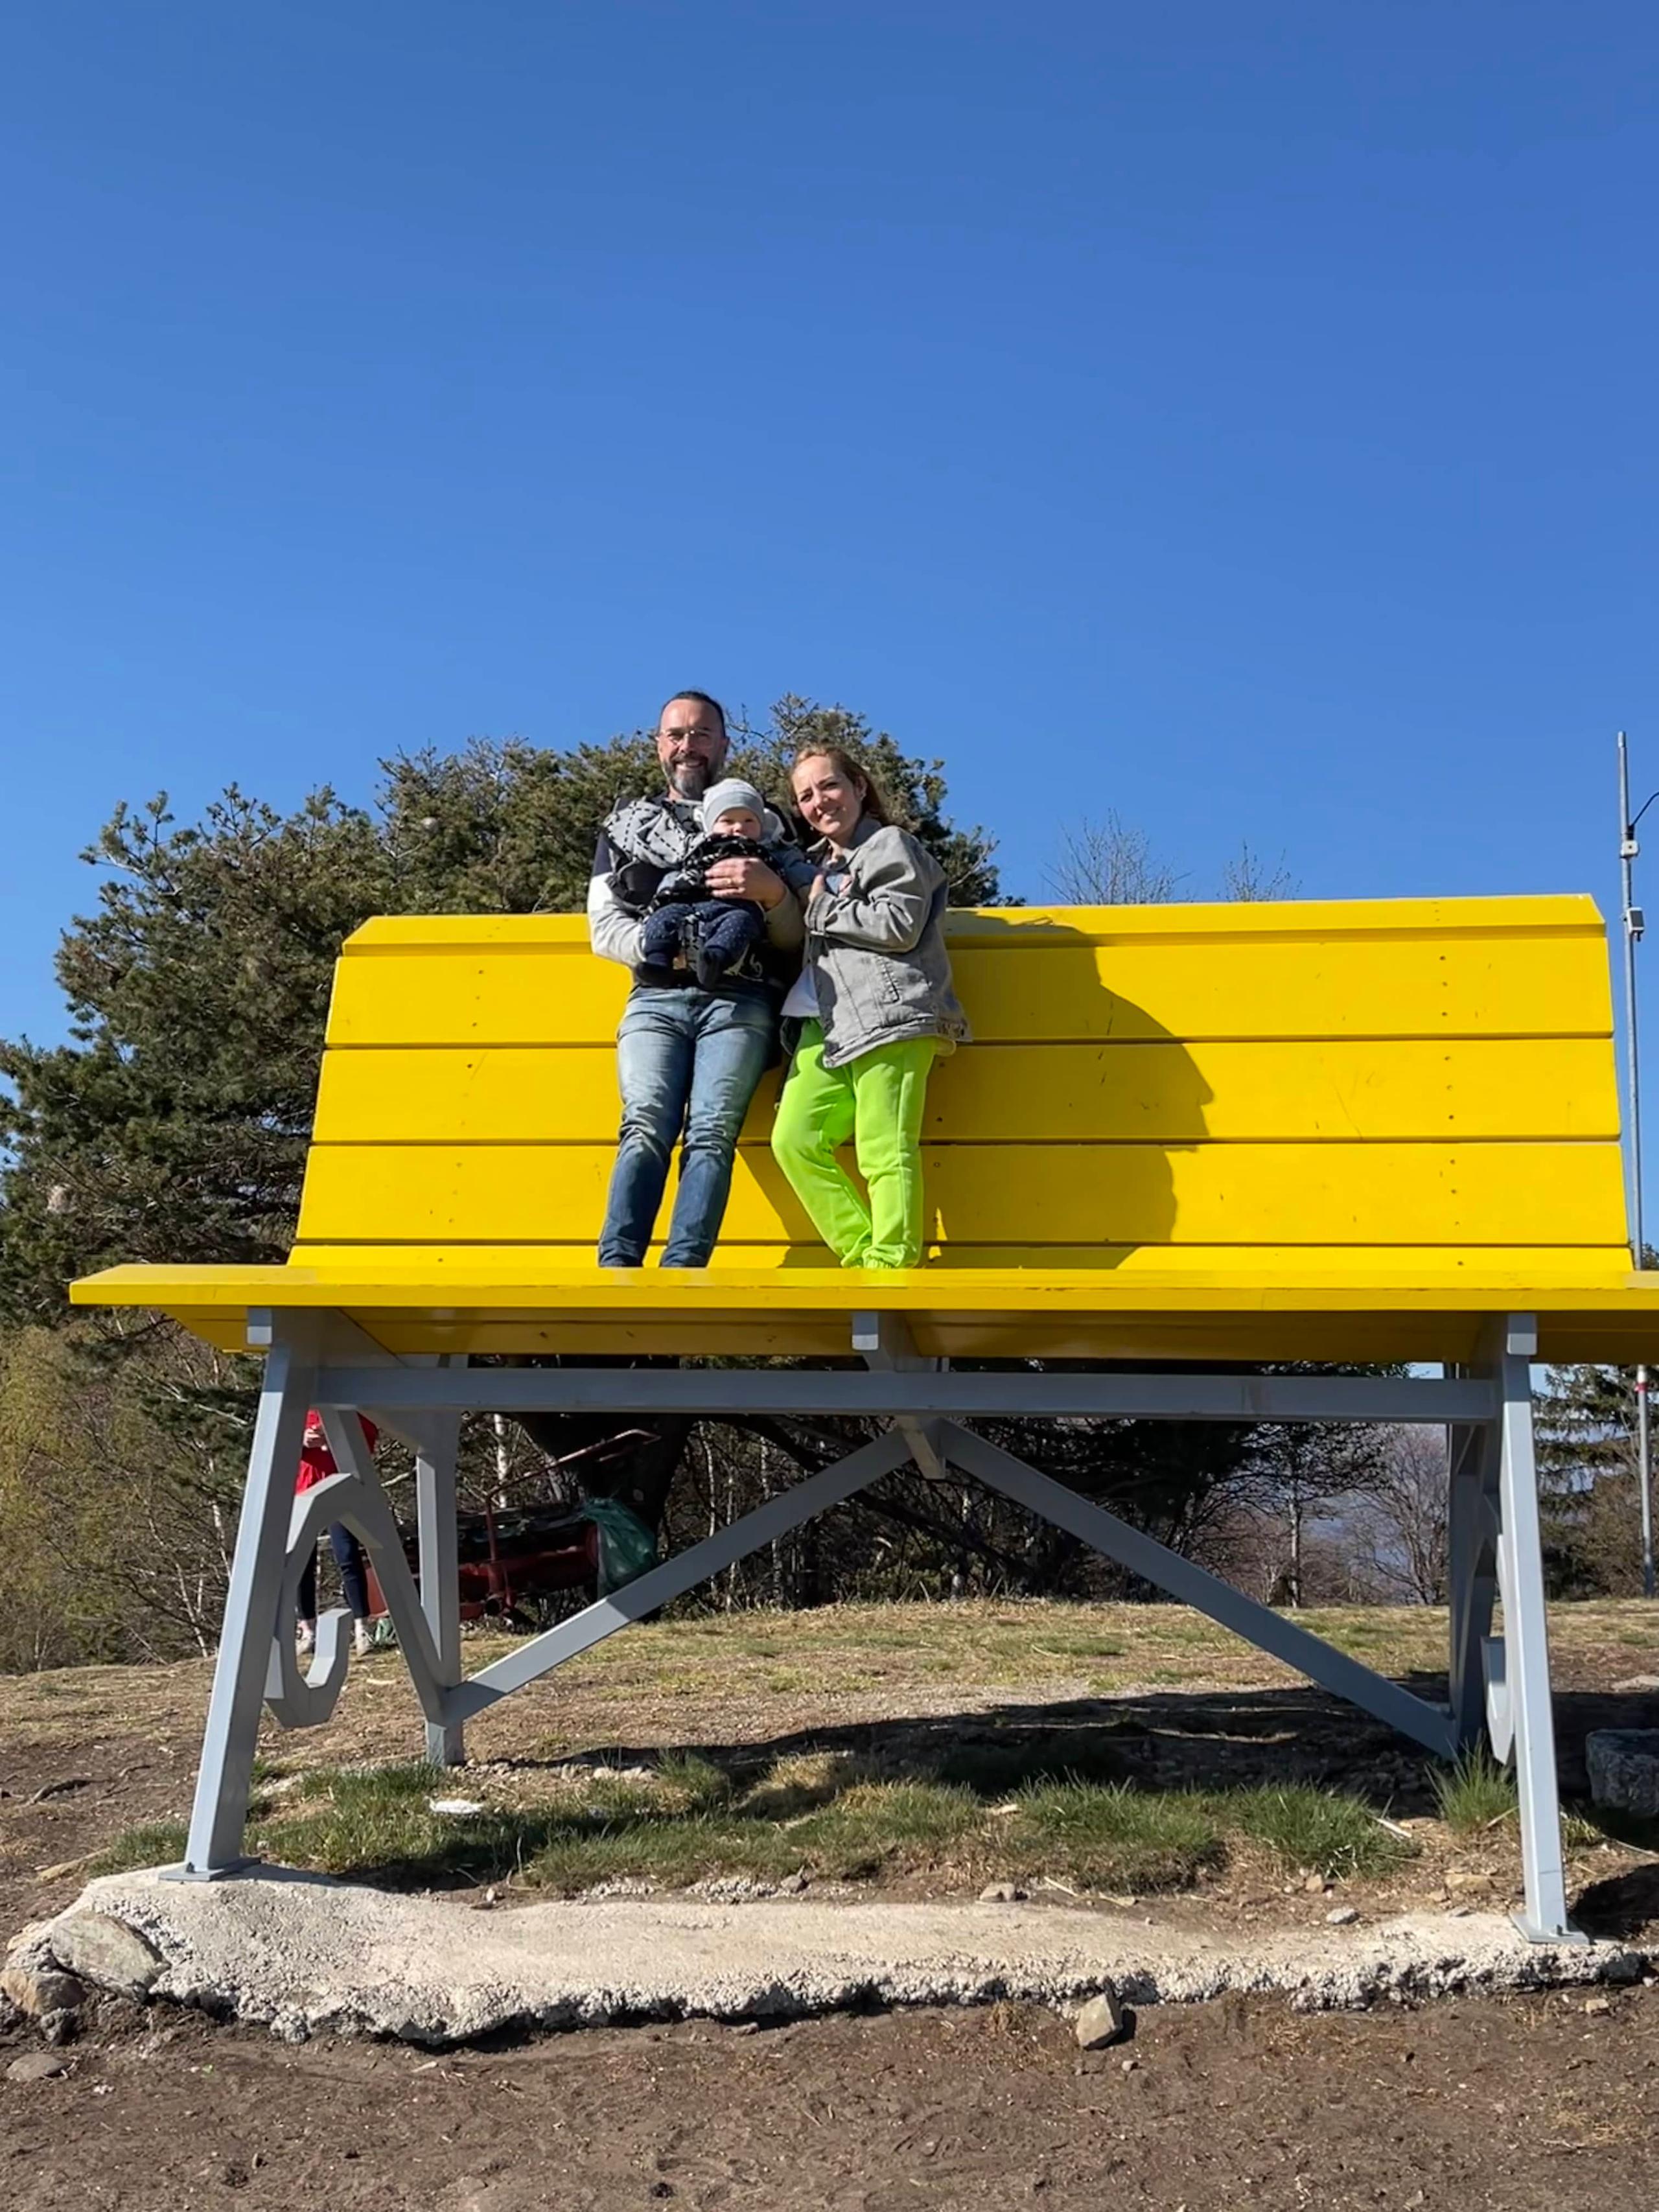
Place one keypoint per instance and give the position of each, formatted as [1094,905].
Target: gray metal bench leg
[226,1776]
[1471,1572]
[434,1492]
[1519,1704]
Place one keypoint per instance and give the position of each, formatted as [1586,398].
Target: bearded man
[688,1057]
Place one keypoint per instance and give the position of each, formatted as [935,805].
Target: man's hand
[746,879]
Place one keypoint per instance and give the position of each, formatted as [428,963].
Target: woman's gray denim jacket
[877,951]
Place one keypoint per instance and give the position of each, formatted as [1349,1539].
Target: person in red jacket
[317,1462]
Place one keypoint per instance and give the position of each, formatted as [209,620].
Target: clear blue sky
[1239,415]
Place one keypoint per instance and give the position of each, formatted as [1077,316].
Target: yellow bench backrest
[1214,1085]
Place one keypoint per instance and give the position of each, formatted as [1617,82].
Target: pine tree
[1587,1478]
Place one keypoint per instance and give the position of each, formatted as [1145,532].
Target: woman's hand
[820,884]
[744,879]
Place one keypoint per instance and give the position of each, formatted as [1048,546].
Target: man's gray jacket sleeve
[612,931]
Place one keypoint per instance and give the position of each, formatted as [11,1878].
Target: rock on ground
[36,2066]
[38,1986]
[1624,1769]
[301,1955]
[105,1951]
[1101,2020]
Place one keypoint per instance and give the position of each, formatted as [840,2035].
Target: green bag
[627,1547]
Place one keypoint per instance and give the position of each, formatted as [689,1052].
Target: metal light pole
[1634,924]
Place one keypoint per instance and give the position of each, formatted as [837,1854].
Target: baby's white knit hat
[722,798]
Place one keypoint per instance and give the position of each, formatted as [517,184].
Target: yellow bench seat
[478,1302]
[1320,1130]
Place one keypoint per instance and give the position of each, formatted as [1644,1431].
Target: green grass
[1108,1836]
[699,1784]
[854,1833]
[378,1821]
[672,1854]
[984,1813]
[156,1843]
[825,1814]
[1321,1830]
[1473,1792]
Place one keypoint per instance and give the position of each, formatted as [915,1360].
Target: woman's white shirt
[802,1002]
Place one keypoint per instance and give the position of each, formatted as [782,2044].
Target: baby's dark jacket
[688,883]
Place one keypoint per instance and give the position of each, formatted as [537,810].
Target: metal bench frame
[1499,1686]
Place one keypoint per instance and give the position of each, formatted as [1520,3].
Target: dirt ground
[1508,2104]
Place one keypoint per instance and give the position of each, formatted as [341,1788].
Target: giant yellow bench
[1208,1135]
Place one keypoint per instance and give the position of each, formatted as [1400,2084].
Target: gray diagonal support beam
[946,1394]
[1519,1684]
[676,1576]
[1427,1725]
[434,1503]
[922,1437]
[1471,1572]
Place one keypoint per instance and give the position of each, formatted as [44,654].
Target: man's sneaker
[362,1639]
[306,1642]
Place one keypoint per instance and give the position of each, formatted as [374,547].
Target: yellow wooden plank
[1407,1088]
[1595,1325]
[1503,984]
[1018,927]
[1424,1334]
[224,1328]
[1306,1089]
[545,1279]
[1567,1194]
[1620,1337]
[992,1314]
[445,1273]
[1427,1333]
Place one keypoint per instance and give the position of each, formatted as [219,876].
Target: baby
[683,922]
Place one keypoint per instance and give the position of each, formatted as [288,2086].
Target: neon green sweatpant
[877,1100]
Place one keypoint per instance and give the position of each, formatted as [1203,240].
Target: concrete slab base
[304,1955]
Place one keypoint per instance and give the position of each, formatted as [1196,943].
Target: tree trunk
[1296,1550]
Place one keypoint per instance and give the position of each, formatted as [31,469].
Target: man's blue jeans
[686,1062]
